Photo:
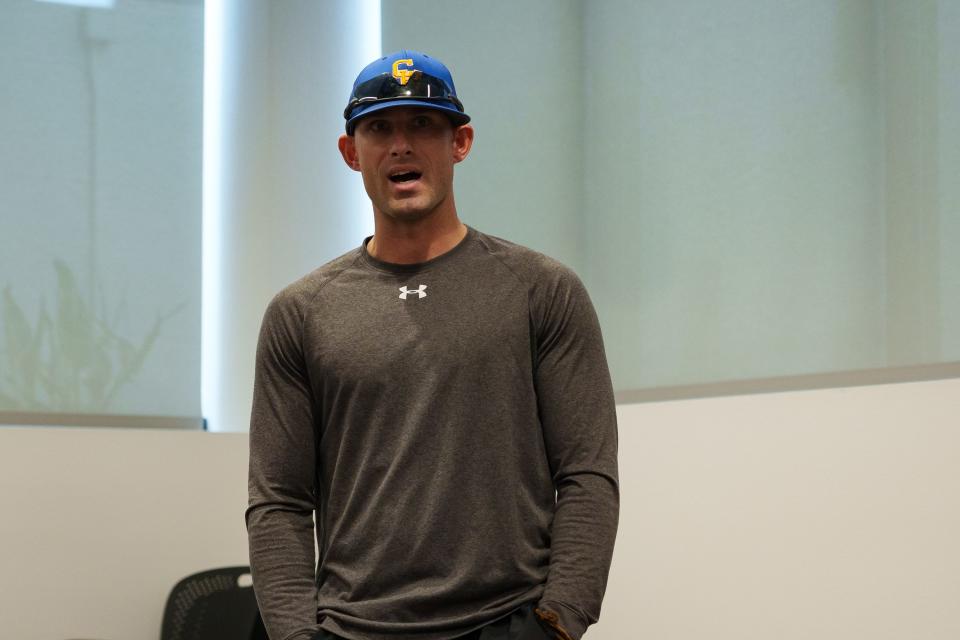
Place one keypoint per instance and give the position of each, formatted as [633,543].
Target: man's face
[406,156]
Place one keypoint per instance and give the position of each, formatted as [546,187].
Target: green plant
[71,361]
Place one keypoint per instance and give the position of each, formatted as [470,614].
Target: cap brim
[456,116]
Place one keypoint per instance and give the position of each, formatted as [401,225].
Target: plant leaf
[20,341]
[98,375]
[74,326]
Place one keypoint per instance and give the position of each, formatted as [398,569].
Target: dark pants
[521,624]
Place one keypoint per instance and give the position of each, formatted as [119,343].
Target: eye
[377,126]
[422,121]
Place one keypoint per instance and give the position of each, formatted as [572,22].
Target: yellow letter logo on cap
[402,75]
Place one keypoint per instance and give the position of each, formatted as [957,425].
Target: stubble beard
[402,214]
[402,210]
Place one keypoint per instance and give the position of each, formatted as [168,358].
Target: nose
[399,143]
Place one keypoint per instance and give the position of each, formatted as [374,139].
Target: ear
[348,149]
[462,142]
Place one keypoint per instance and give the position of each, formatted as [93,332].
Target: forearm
[282,562]
[281,481]
[582,538]
[579,422]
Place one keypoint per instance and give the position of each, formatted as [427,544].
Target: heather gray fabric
[521,624]
[427,413]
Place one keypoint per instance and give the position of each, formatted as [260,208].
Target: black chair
[213,605]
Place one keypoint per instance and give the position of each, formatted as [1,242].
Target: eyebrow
[373,119]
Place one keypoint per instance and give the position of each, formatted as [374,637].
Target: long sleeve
[578,417]
[282,492]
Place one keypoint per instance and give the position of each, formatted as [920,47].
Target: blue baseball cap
[404,78]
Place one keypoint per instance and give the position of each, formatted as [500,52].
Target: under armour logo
[421,292]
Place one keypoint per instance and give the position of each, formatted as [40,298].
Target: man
[440,399]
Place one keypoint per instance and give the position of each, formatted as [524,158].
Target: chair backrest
[213,605]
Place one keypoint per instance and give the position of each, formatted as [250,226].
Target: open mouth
[406,176]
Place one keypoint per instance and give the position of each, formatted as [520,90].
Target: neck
[411,242]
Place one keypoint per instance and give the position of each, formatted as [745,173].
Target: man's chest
[383,331]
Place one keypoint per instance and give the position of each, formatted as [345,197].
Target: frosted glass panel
[100,218]
[749,189]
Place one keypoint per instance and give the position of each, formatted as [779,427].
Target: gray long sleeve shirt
[426,414]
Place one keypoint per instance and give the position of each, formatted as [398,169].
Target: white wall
[98,525]
[830,514]
[818,514]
